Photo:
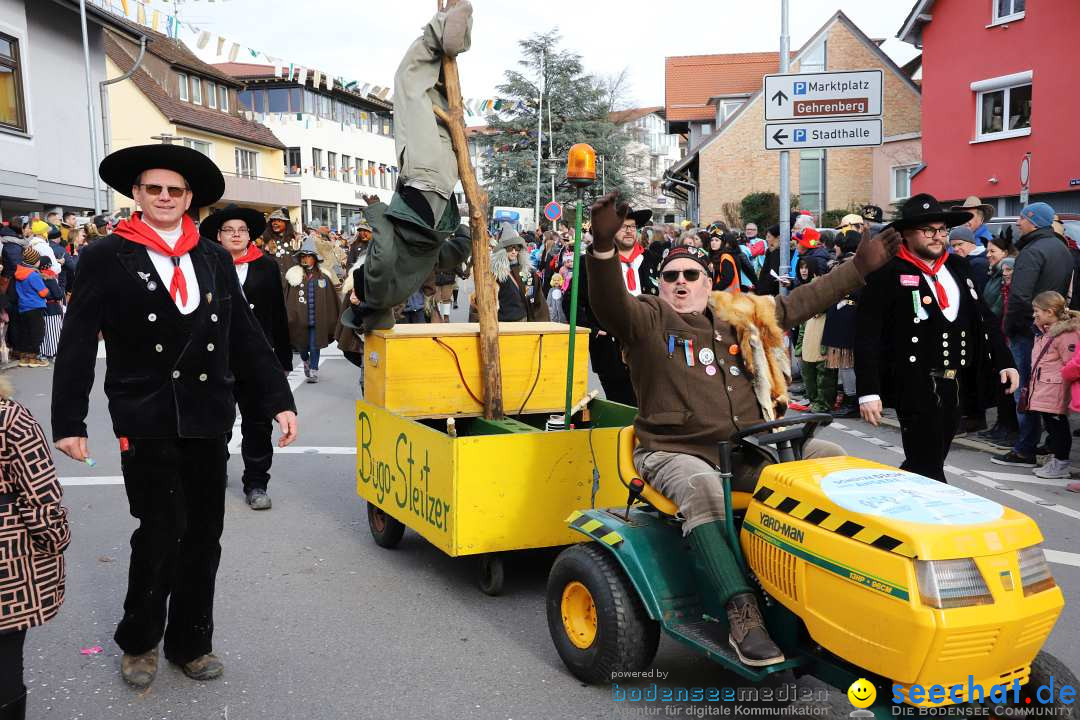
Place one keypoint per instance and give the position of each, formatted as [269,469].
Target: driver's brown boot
[749,638]
[139,670]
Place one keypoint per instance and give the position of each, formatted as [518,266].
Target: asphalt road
[314,621]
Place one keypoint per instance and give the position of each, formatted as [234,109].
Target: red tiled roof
[177,53]
[187,114]
[690,80]
[246,70]
[624,116]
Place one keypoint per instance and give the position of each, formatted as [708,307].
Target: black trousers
[176,489]
[31,331]
[11,666]
[929,417]
[256,447]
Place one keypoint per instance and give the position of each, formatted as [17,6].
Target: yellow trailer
[427,460]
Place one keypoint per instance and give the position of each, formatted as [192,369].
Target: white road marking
[100,480]
[1061,557]
[1030,479]
[296,379]
[311,450]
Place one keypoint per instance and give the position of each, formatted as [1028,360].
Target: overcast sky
[364,39]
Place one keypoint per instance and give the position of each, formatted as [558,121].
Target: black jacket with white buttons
[902,336]
[167,375]
[266,298]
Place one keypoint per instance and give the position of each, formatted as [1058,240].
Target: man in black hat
[177,331]
[260,278]
[639,276]
[925,343]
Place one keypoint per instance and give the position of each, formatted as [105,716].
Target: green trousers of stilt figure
[820,383]
[721,569]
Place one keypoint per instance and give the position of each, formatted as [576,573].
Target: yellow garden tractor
[935,595]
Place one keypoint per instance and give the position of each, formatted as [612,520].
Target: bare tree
[616,90]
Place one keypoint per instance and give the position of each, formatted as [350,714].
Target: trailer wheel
[386,530]
[492,574]
[1046,670]
[595,616]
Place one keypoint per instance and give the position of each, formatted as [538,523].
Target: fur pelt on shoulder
[500,264]
[761,343]
[295,275]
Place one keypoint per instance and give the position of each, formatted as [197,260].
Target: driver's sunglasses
[671,276]
[155,189]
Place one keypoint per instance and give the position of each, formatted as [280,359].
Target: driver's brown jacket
[682,405]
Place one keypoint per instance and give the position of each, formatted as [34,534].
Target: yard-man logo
[782,528]
[407,483]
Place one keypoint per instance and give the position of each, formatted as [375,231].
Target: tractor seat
[628,474]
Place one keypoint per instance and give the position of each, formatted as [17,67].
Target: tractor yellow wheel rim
[579,615]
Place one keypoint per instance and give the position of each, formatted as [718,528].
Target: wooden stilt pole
[484,281]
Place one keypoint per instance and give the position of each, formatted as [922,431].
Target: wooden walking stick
[483,280]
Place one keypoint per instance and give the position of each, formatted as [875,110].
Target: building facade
[173,95]
[651,152]
[339,144]
[731,161]
[1006,97]
[45,142]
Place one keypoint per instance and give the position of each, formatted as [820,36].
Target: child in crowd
[554,300]
[54,308]
[31,291]
[820,381]
[1049,394]
[311,304]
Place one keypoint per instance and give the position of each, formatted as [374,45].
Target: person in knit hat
[31,291]
[311,304]
[521,289]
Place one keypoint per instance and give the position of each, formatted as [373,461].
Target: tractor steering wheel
[784,445]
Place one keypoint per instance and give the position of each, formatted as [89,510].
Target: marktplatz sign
[823,95]
[802,135]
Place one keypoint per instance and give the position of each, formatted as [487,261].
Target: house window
[316,161]
[201,146]
[706,129]
[387,129]
[346,171]
[246,163]
[1008,10]
[182,83]
[279,100]
[728,108]
[901,182]
[296,100]
[331,163]
[359,171]
[223,98]
[292,161]
[196,90]
[1003,106]
[812,180]
[12,110]
[814,59]
[211,95]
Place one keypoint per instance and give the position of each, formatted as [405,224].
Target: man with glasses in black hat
[177,331]
[696,388]
[925,342]
[260,278]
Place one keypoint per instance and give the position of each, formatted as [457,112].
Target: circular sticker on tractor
[900,495]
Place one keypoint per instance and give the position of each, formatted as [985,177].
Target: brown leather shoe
[205,667]
[749,638]
[139,670]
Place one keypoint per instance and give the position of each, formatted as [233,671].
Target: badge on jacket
[909,281]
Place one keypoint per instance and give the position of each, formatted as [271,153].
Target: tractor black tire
[1044,667]
[626,637]
[386,530]
[491,574]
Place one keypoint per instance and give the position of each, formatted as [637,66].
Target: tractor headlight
[1034,571]
[951,583]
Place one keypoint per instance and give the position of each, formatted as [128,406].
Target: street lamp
[581,173]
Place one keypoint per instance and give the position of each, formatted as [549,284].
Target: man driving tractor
[692,364]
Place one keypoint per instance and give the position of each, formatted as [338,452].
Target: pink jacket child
[1053,388]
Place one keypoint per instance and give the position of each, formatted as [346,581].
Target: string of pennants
[163,21]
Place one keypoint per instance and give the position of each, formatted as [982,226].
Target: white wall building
[649,154]
[339,144]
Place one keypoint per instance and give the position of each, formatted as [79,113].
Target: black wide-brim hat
[120,169]
[922,208]
[641,218]
[254,219]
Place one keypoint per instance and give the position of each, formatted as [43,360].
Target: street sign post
[828,134]
[855,93]
[553,211]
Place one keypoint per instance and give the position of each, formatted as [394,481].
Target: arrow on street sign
[810,96]
[801,135]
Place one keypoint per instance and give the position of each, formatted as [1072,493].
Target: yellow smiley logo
[862,693]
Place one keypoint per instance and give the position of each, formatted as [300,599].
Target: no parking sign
[553,211]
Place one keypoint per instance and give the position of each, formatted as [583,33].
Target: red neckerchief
[252,253]
[631,276]
[137,231]
[932,271]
